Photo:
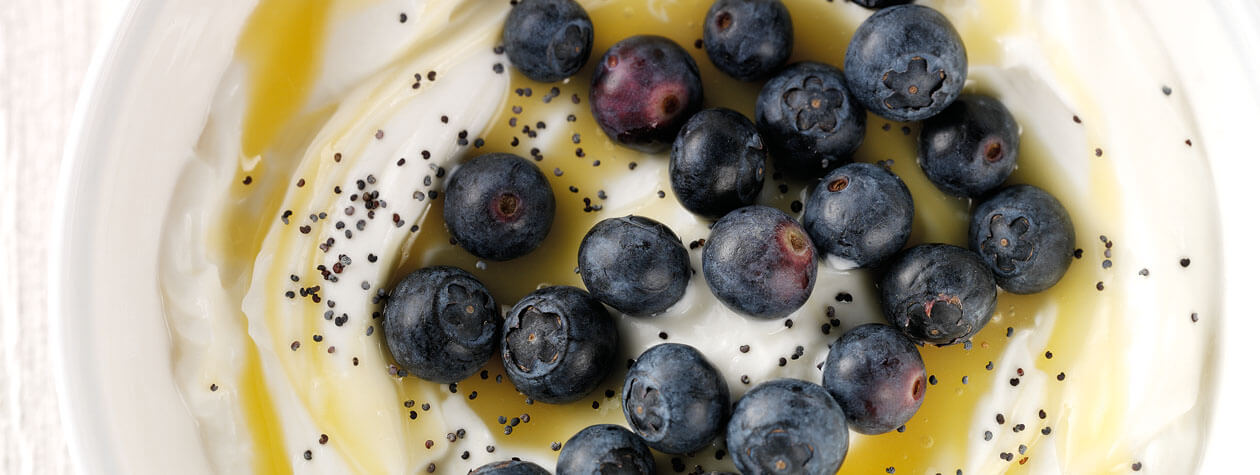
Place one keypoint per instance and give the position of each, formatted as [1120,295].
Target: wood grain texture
[45,49]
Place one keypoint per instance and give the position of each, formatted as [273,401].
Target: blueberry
[938,293]
[605,449]
[787,426]
[877,376]
[634,264]
[1025,236]
[718,163]
[675,399]
[906,62]
[441,324]
[971,147]
[510,467]
[759,262]
[548,40]
[643,90]
[810,119]
[498,206]
[877,4]
[860,213]
[748,39]
[558,344]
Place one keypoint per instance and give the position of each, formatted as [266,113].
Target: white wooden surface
[45,48]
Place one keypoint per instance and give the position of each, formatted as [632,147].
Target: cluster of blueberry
[905,62]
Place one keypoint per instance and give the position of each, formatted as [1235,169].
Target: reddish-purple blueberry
[877,376]
[644,89]
[760,262]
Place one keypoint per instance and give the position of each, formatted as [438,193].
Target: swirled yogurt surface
[316,184]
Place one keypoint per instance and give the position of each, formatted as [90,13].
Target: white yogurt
[1049,68]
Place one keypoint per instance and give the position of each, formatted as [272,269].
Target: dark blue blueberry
[969,149]
[605,449]
[644,90]
[634,264]
[748,39]
[938,293]
[558,344]
[548,40]
[510,467]
[877,4]
[877,376]
[441,324]
[906,63]
[675,399]
[810,119]
[718,163]
[787,426]
[1025,236]
[498,206]
[760,262]
[860,213]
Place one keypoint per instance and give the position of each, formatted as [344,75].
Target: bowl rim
[76,420]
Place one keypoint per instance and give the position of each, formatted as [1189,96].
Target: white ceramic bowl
[122,411]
